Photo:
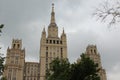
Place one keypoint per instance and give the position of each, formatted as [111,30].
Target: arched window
[91,50]
[95,51]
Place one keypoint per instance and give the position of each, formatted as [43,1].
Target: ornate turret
[91,51]
[44,32]
[63,33]
[63,37]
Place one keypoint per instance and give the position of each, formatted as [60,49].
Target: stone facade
[31,71]
[51,46]
[15,61]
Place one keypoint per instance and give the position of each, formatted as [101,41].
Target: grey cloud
[25,19]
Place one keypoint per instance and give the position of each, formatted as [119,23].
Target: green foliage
[1,65]
[1,26]
[108,11]
[1,58]
[61,69]
[85,69]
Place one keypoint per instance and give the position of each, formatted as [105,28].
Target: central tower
[51,46]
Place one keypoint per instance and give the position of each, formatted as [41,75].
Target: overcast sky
[25,19]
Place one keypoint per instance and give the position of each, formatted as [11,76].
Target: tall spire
[63,34]
[52,14]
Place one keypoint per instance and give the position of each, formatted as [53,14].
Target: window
[50,41]
[60,42]
[13,45]
[18,45]
[57,42]
[46,41]
[91,51]
[46,54]
[95,51]
[53,41]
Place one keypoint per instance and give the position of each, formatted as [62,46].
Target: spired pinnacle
[52,14]
[44,29]
[63,31]
[44,32]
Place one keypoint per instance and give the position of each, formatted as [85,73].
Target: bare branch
[108,12]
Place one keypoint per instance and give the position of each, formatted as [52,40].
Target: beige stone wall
[31,71]
[15,60]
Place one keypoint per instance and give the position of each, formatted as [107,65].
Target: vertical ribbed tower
[15,61]
[51,45]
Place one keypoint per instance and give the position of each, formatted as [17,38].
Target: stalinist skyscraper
[51,45]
